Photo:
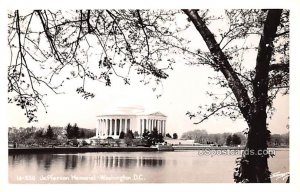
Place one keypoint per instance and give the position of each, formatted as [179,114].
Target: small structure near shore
[163,147]
[180,141]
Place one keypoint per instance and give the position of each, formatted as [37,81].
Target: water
[134,167]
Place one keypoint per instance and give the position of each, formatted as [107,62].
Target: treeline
[279,140]
[148,138]
[175,136]
[202,137]
[74,132]
[50,134]
[229,139]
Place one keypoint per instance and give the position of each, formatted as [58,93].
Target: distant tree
[84,143]
[175,136]
[82,134]
[75,142]
[224,138]
[136,134]
[276,139]
[242,137]
[75,131]
[168,135]
[153,137]
[49,133]
[87,133]
[69,131]
[38,134]
[285,138]
[236,140]
[130,134]
[129,138]
[215,138]
[160,138]
[229,140]
[146,133]
[59,133]
[122,135]
[199,136]
[30,141]
[118,142]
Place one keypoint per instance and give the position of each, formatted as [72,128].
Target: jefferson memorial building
[129,118]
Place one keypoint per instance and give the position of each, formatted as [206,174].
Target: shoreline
[13,151]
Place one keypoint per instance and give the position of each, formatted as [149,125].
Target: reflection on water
[72,161]
[152,167]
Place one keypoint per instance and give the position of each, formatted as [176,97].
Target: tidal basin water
[133,167]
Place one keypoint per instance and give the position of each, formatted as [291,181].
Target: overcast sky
[183,91]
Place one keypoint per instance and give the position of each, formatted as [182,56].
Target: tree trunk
[255,168]
[253,164]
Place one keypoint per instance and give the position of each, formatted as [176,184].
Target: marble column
[100,128]
[129,124]
[165,127]
[105,127]
[147,121]
[162,127]
[152,124]
[100,131]
[141,127]
[97,127]
[121,125]
[125,126]
[110,132]
[115,127]
[158,125]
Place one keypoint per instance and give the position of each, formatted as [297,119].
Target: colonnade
[151,124]
[113,126]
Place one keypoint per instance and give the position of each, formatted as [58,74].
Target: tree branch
[279,67]
[265,51]
[222,63]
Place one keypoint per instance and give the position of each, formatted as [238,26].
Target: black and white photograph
[117,95]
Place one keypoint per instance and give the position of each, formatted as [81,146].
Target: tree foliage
[201,136]
[175,136]
[62,43]
[49,133]
[73,131]
[242,82]
[229,140]
[122,135]
[153,137]
[129,138]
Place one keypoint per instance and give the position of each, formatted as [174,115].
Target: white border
[294,5]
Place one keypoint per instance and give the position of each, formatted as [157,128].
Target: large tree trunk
[253,165]
[257,170]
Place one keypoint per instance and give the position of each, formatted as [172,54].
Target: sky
[184,90]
